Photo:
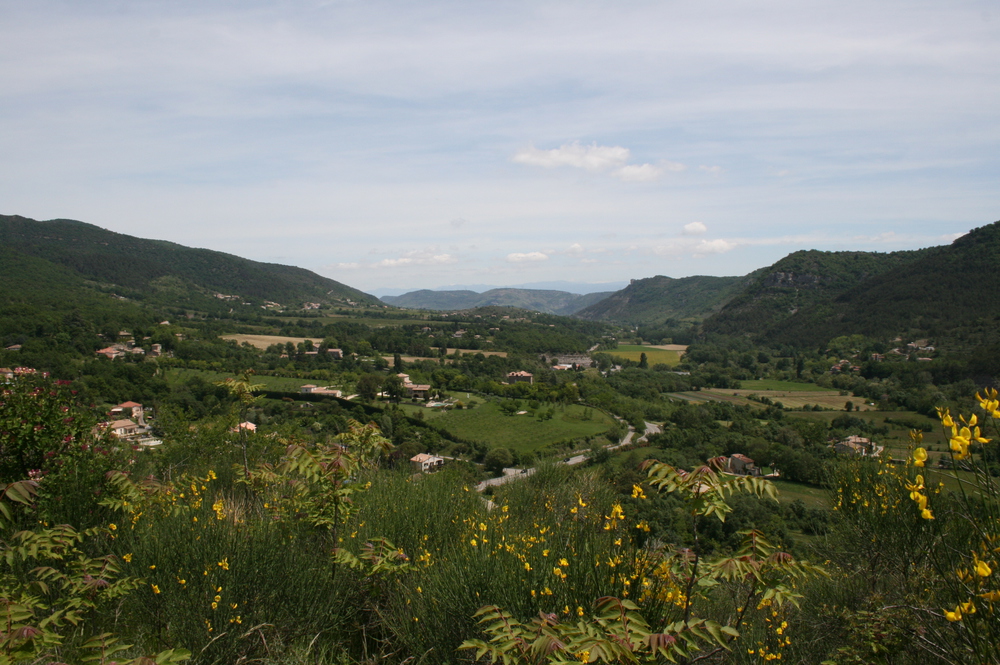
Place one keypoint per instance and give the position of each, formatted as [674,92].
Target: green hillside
[801,287]
[40,297]
[810,297]
[656,299]
[165,272]
[535,300]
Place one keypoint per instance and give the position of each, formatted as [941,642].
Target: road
[651,428]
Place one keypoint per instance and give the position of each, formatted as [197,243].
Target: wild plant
[684,606]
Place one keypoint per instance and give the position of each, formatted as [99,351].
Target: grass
[812,496]
[793,399]
[521,433]
[654,355]
[775,384]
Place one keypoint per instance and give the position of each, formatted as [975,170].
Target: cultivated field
[264,341]
[773,384]
[667,354]
[793,399]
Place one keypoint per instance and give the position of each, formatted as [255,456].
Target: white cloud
[694,229]
[712,170]
[952,237]
[590,157]
[517,257]
[418,257]
[638,173]
[881,237]
[575,249]
[347,266]
[718,246]
[695,248]
[596,158]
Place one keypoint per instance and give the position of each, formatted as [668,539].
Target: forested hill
[536,300]
[656,299]
[165,272]
[810,297]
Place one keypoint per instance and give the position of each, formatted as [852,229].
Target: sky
[407,145]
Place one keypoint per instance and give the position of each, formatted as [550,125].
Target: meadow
[522,433]
[264,341]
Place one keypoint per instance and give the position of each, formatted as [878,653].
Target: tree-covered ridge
[803,283]
[656,299]
[536,300]
[811,297]
[153,267]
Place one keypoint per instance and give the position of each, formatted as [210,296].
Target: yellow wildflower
[156,589]
[919,457]
[127,557]
[953,616]
[224,564]
[982,569]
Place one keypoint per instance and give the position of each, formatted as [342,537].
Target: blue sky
[414,145]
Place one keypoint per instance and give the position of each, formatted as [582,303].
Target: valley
[255,444]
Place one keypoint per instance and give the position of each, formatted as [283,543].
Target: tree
[497,459]
[393,387]
[368,386]
[243,390]
[643,361]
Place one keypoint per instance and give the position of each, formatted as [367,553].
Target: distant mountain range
[656,299]
[550,302]
[76,256]
[50,268]
[578,288]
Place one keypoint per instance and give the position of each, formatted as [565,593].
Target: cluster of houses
[122,350]
[844,366]
[126,346]
[129,424]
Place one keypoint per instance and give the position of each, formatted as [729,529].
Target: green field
[521,433]
[654,356]
[774,384]
[374,322]
[812,496]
